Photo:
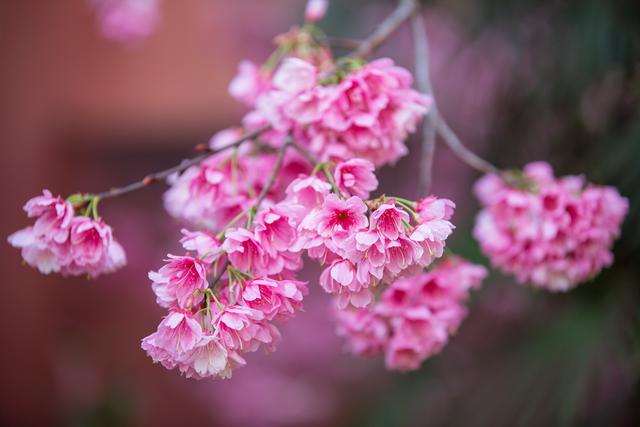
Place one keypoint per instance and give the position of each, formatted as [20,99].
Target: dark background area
[519,80]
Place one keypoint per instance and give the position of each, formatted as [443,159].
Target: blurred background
[520,80]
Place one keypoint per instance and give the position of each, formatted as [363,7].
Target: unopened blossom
[180,281]
[551,232]
[356,177]
[415,315]
[63,243]
[315,10]
[127,21]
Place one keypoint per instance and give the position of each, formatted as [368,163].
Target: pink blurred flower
[552,232]
[127,21]
[249,83]
[415,316]
[315,10]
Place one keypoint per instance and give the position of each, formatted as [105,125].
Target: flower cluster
[127,21]
[551,232]
[337,110]
[368,243]
[415,315]
[60,241]
[202,339]
[224,185]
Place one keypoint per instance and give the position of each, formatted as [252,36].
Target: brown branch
[185,164]
[386,28]
[435,121]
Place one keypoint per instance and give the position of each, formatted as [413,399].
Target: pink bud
[315,10]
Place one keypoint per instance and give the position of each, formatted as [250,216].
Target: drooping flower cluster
[415,315]
[61,242]
[127,21]
[337,110]
[208,327]
[552,232]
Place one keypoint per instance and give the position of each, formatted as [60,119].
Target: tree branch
[386,28]
[435,121]
[185,164]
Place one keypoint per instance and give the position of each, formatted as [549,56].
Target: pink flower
[203,243]
[295,75]
[356,177]
[389,220]
[315,10]
[415,316]
[244,328]
[249,83]
[551,232]
[54,217]
[178,332]
[36,252]
[340,278]
[278,299]
[308,191]
[179,282]
[339,216]
[58,241]
[127,21]
[209,359]
[367,334]
[274,231]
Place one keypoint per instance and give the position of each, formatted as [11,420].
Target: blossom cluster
[415,315]
[62,242]
[337,110]
[224,185]
[250,270]
[205,338]
[552,232]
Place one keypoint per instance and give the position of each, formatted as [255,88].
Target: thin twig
[386,28]
[343,43]
[428,146]
[216,279]
[460,150]
[438,122]
[185,164]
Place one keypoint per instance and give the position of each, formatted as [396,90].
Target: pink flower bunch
[552,232]
[415,315]
[211,322]
[365,243]
[61,242]
[366,111]
[212,193]
[127,21]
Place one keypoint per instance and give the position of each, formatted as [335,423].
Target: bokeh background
[519,80]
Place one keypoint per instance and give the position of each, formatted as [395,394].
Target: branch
[185,164]
[436,122]
[386,28]
[428,147]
